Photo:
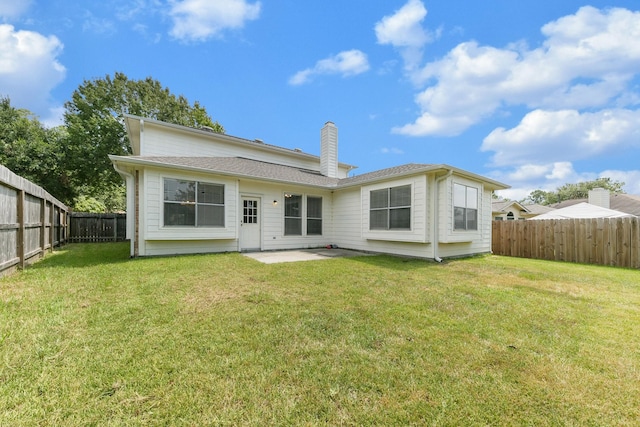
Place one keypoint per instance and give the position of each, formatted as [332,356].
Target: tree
[579,190]
[95,125]
[33,151]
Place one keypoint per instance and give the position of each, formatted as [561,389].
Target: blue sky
[535,94]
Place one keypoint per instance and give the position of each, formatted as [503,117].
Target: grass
[90,337]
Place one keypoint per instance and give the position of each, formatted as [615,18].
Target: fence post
[21,227]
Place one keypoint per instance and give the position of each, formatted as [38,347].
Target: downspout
[436,215]
[130,215]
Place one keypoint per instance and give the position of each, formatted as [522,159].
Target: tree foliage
[578,190]
[32,151]
[95,125]
[72,161]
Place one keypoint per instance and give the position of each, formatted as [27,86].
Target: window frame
[470,222]
[195,202]
[384,208]
[292,219]
[310,218]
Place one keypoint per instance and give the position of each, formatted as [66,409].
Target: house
[582,210]
[626,203]
[194,191]
[510,210]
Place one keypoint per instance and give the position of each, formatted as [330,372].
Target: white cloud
[588,60]
[29,68]
[11,9]
[529,177]
[403,30]
[199,20]
[391,150]
[98,25]
[347,63]
[564,135]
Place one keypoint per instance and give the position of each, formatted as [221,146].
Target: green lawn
[90,337]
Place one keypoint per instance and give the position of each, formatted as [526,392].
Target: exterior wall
[345,218]
[156,239]
[351,224]
[419,231]
[461,243]
[272,216]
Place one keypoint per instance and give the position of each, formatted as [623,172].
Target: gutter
[129,178]
[436,214]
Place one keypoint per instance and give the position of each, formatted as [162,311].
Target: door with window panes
[250,224]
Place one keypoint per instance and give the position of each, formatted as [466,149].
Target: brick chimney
[599,197]
[329,150]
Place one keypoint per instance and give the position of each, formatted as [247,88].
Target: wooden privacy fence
[602,241]
[31,221]
[90,227]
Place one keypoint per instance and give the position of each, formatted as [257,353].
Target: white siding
[154,228]
[272,223]
[461,243]
[174,142]
[351,219]
[345,219]
[418,232]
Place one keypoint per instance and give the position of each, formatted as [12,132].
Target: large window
[292,215]
[390,208]
[193,203]
[314,216]
[465,207]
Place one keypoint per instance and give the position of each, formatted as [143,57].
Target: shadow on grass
[79,255]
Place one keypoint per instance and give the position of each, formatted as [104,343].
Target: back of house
[194,191]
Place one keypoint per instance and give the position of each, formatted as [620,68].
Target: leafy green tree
[95,126]
[33,151]
[578,190]
[88,204]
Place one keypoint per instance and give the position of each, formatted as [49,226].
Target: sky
[534,94]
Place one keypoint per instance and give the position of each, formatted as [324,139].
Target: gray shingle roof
[246,167]
[384,173]
[256,169]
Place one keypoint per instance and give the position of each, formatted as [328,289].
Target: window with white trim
[314,216]
[390,208]
[193,203]
[292,215]
[465,207]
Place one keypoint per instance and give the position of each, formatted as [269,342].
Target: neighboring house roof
[238,166]
[536,209]
[582,210]
[626,203]
[502,205]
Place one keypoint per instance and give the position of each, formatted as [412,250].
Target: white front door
[250,224]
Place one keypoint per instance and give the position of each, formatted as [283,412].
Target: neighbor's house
[194,191]
[510,210]
[627,203]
